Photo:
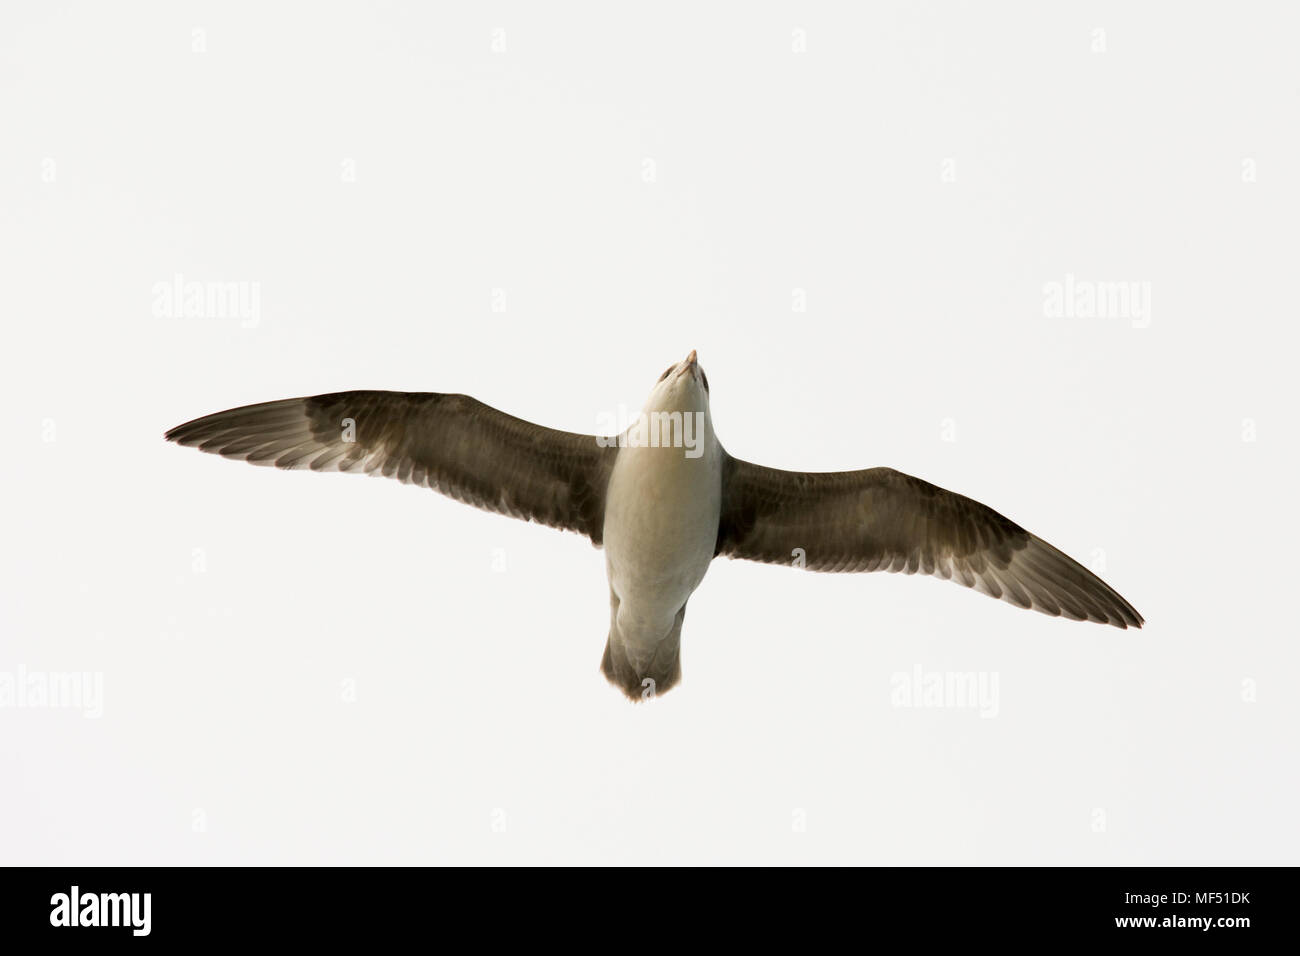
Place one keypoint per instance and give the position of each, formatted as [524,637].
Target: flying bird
[664,499]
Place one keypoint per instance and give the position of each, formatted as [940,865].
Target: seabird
[664,499]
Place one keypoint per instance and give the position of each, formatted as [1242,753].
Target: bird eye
[666,371]
[705,379]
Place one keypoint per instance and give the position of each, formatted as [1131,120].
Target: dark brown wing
[882,520]
[451,443]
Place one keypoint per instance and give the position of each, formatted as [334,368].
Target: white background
[920,172]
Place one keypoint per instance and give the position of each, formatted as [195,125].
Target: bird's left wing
[452,444]
[883,520]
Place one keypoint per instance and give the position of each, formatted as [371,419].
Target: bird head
[683,385]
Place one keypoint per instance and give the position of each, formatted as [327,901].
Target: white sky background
[482,730]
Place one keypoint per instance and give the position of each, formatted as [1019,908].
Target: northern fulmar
[664,499]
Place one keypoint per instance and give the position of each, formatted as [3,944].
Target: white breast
[661,527]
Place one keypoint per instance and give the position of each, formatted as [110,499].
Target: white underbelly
[661,529]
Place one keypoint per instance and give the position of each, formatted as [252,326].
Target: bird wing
[453,444]
[883,520]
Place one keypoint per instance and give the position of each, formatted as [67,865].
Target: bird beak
[687,366]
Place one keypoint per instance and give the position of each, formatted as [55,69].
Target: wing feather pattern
[883,520]
[452,444]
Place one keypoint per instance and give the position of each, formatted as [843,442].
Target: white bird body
[662,508]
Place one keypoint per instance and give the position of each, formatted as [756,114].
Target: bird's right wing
[883,520]
[451,443]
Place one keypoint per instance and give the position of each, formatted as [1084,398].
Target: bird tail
[637,677]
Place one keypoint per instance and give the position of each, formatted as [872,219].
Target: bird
[664,499]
